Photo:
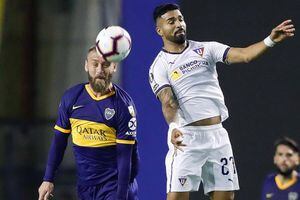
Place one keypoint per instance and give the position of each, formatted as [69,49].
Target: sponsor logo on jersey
[76,107]
[131,111]
[92,134]
[176,74]
[187,68]
[131,133]
[132,124]
[109,113]
[199,51]
[182,180]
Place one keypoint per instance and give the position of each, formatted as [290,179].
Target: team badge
[131,111]
[199,51]
[132,124]
[109,113]
[182,180]
[293,196]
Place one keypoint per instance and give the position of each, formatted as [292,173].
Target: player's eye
[289,155]
[106,64]
[171,21]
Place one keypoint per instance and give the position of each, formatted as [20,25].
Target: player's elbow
[247,60]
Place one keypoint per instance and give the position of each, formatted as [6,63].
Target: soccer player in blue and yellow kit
[101,118]
[284,185]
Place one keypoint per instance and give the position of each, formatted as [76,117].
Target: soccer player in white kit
[184,78]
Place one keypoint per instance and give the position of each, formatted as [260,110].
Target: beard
[177,38]
[101,85]
[286,173]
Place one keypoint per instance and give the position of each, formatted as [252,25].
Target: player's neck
[285,179]
[174,47]
[101,93]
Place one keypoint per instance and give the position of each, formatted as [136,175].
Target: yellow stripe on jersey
[283,186]
[92,95]
[92,134]
[62,129]
[125,141]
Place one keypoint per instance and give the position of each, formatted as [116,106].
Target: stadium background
[42,51]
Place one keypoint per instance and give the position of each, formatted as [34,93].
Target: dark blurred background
[42,51]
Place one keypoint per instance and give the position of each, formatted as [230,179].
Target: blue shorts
[105,191]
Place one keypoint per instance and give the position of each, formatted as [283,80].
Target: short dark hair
[287,142]
[163,8]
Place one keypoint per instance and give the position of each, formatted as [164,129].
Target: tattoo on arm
[169,104]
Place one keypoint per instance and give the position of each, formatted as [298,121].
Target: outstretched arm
[245,55]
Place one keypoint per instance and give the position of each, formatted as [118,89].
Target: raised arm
[278,34]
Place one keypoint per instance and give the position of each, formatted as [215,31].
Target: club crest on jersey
[199,51]
[293,196]
[182,180]
[131,111]
[109,113]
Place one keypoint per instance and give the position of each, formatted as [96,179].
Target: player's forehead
[171,14]
[93,55]
[284,149]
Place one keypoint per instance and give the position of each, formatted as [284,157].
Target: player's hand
[284,30]
[45,190]
[177,139]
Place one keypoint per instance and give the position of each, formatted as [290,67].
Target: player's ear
[85,66]
[115,67]
[158,30]
[274,159]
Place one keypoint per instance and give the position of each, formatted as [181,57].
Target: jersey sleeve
[63,123]
[218,52]
[158,76]
[127,124]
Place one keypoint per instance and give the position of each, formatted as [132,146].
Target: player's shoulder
[160,60]
[193,43]
[270,177]
[73,92]
[124,101]
[122,96]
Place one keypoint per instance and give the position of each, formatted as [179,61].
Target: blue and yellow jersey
[97,125]
[273,189]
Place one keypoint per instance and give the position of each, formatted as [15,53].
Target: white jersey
[193,77]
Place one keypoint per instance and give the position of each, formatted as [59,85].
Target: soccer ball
[113,43]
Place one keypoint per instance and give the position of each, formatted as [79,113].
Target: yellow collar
[92,95]
[283,186]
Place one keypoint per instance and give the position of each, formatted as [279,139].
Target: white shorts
[207,157]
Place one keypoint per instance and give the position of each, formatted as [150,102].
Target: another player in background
[285,184]
[184,78]
[101,118]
